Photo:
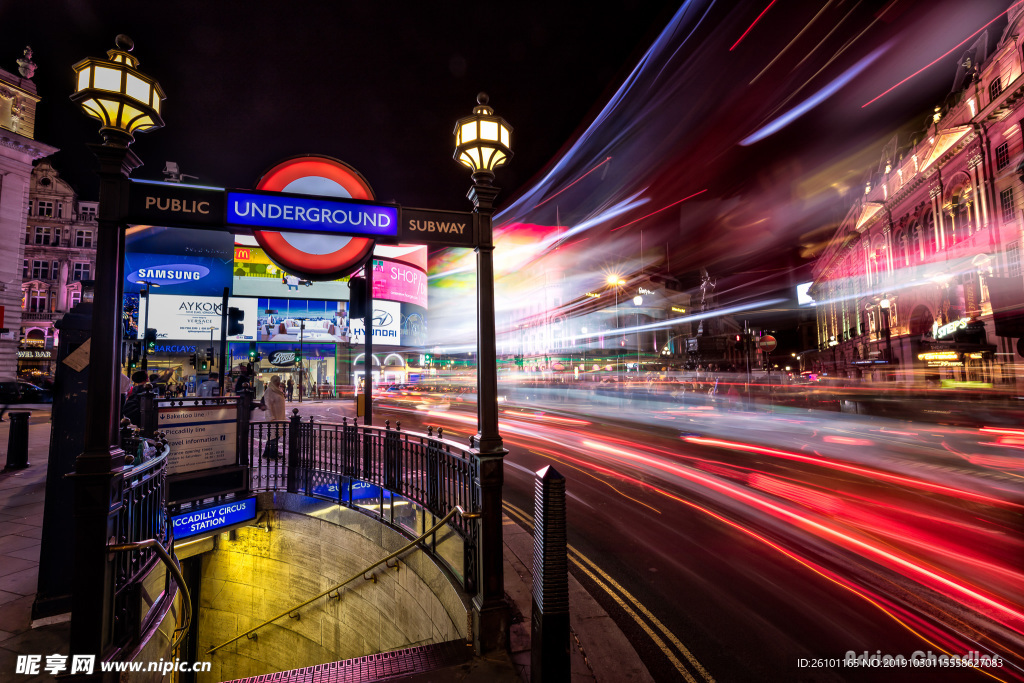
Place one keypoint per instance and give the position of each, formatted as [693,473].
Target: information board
[201,437]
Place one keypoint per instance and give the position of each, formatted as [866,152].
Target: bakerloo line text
[313,214]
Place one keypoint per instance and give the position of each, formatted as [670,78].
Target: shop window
[1006,204]
[83,271]
[83,238]
[43,235]
[1003,155]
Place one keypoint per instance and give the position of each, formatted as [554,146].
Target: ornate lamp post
[145,329]
[125,101]
[483,143]
[616,282]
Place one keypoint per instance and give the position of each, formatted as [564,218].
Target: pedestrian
[274,398]
[211,387]
[291,388]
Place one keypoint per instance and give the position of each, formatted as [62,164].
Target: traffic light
[193,360]
[356,297]
[253,356]
[298,356]
[235,318]
[739,342]
[150,340]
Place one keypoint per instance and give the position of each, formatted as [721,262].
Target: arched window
[915,243]
[929,239]
[900,245]
[962,216]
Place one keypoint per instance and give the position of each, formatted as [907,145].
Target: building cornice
[20,143]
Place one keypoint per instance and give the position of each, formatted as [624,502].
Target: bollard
[17,441]
[549,624]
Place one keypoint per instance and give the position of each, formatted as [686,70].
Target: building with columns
[18,150]
[60,252]
[922,281]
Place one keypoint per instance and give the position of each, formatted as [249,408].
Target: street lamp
[483,143]
[145,328]
[833,343]
[616,282]
[125,101]
[638,301]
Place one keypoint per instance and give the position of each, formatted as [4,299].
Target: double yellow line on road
[660,635]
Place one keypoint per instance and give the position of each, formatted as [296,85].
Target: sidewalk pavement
[21,528]
[599,651]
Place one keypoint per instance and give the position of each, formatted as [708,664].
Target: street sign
[441,228]
[173,204]
[306,213]
[766,343]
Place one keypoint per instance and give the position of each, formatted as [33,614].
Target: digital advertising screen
[254,274]
[178,260]
[288,320]
[195,317]
[387,325]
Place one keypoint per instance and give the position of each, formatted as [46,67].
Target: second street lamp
[482,142]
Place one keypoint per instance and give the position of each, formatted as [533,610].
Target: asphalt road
[737,546]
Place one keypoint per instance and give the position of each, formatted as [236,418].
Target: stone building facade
[60,252]
[922,281]
[18,150]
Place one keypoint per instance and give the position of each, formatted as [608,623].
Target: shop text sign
[301,213]
[200,437]
[214,518]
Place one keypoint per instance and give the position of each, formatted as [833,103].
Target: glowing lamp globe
[483,141]
[113,90]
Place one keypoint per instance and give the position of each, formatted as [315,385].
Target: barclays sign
[171,274]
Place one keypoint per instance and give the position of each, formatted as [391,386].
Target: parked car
[24,392]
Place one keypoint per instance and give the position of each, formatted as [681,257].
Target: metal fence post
[392,446]
[242,432]
[147,406]
[549,627]
[294,427]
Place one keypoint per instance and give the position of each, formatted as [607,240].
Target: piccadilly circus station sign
[314,216]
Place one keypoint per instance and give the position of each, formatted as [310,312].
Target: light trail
[942,56]
[752,25]
[678,201]
[540,204]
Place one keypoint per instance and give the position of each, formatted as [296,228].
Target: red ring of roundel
[314,266]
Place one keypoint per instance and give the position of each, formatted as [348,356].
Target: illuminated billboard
[292,320]
[387,325]
[192,317]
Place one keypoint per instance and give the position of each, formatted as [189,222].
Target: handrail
[175,571]
[442,522]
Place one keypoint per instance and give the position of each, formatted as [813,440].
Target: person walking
[274,397]
[291,388]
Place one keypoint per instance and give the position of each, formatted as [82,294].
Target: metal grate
[379,667]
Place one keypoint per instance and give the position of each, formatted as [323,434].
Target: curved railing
[331,460]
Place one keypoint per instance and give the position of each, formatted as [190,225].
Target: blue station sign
[300,213]
[211,519]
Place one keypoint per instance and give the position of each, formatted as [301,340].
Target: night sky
[692,89]
[379,86]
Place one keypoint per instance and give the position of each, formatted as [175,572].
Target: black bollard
[549,632]
[17,441]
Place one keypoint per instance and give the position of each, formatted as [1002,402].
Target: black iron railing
[326,461]
[143,516]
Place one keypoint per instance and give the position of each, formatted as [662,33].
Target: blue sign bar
[211,519]
[292,213]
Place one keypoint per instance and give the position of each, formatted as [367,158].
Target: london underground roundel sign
[315,257]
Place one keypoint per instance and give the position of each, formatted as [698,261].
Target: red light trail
[574,182]
[679,201]
[752,25]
